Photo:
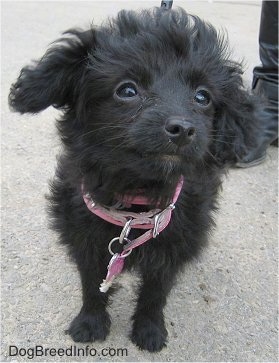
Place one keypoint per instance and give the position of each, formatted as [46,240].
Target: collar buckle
[159,218]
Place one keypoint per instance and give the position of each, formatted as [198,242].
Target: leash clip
[125,231]
[123,237]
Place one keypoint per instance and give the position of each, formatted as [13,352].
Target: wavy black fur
[117,145]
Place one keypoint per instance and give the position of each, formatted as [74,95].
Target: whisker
[119,137]
[205,163]
[111,127]
[222,135]
[118,146]
[223,142]
[220,130]
[210,154]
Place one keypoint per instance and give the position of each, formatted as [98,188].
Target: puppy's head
[146,97]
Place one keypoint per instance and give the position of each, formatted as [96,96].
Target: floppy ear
[54,79]
[237,125]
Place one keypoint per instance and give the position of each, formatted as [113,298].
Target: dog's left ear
[237,124]
[55,78]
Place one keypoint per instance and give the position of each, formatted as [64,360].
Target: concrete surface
[224,307]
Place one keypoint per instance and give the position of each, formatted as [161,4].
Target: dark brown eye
[126,91]
[202,98]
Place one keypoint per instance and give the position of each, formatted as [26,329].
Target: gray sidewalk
[224,307]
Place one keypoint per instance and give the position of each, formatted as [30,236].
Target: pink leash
[155,221]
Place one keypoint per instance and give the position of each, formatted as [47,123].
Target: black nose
[179,130]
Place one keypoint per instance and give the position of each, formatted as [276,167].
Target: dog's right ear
[55,78]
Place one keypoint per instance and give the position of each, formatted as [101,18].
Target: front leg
[93,321]
[149,330]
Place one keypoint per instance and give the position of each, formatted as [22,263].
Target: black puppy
[149,101]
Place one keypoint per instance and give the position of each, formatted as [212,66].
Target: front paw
[89,327]
[149,335]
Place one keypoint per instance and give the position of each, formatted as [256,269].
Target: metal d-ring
[110,244]
[123,237]
[118,239]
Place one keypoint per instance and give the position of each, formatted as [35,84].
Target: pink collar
[155,221]
[143,220]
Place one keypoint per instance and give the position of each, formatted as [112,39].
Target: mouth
[160,165]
